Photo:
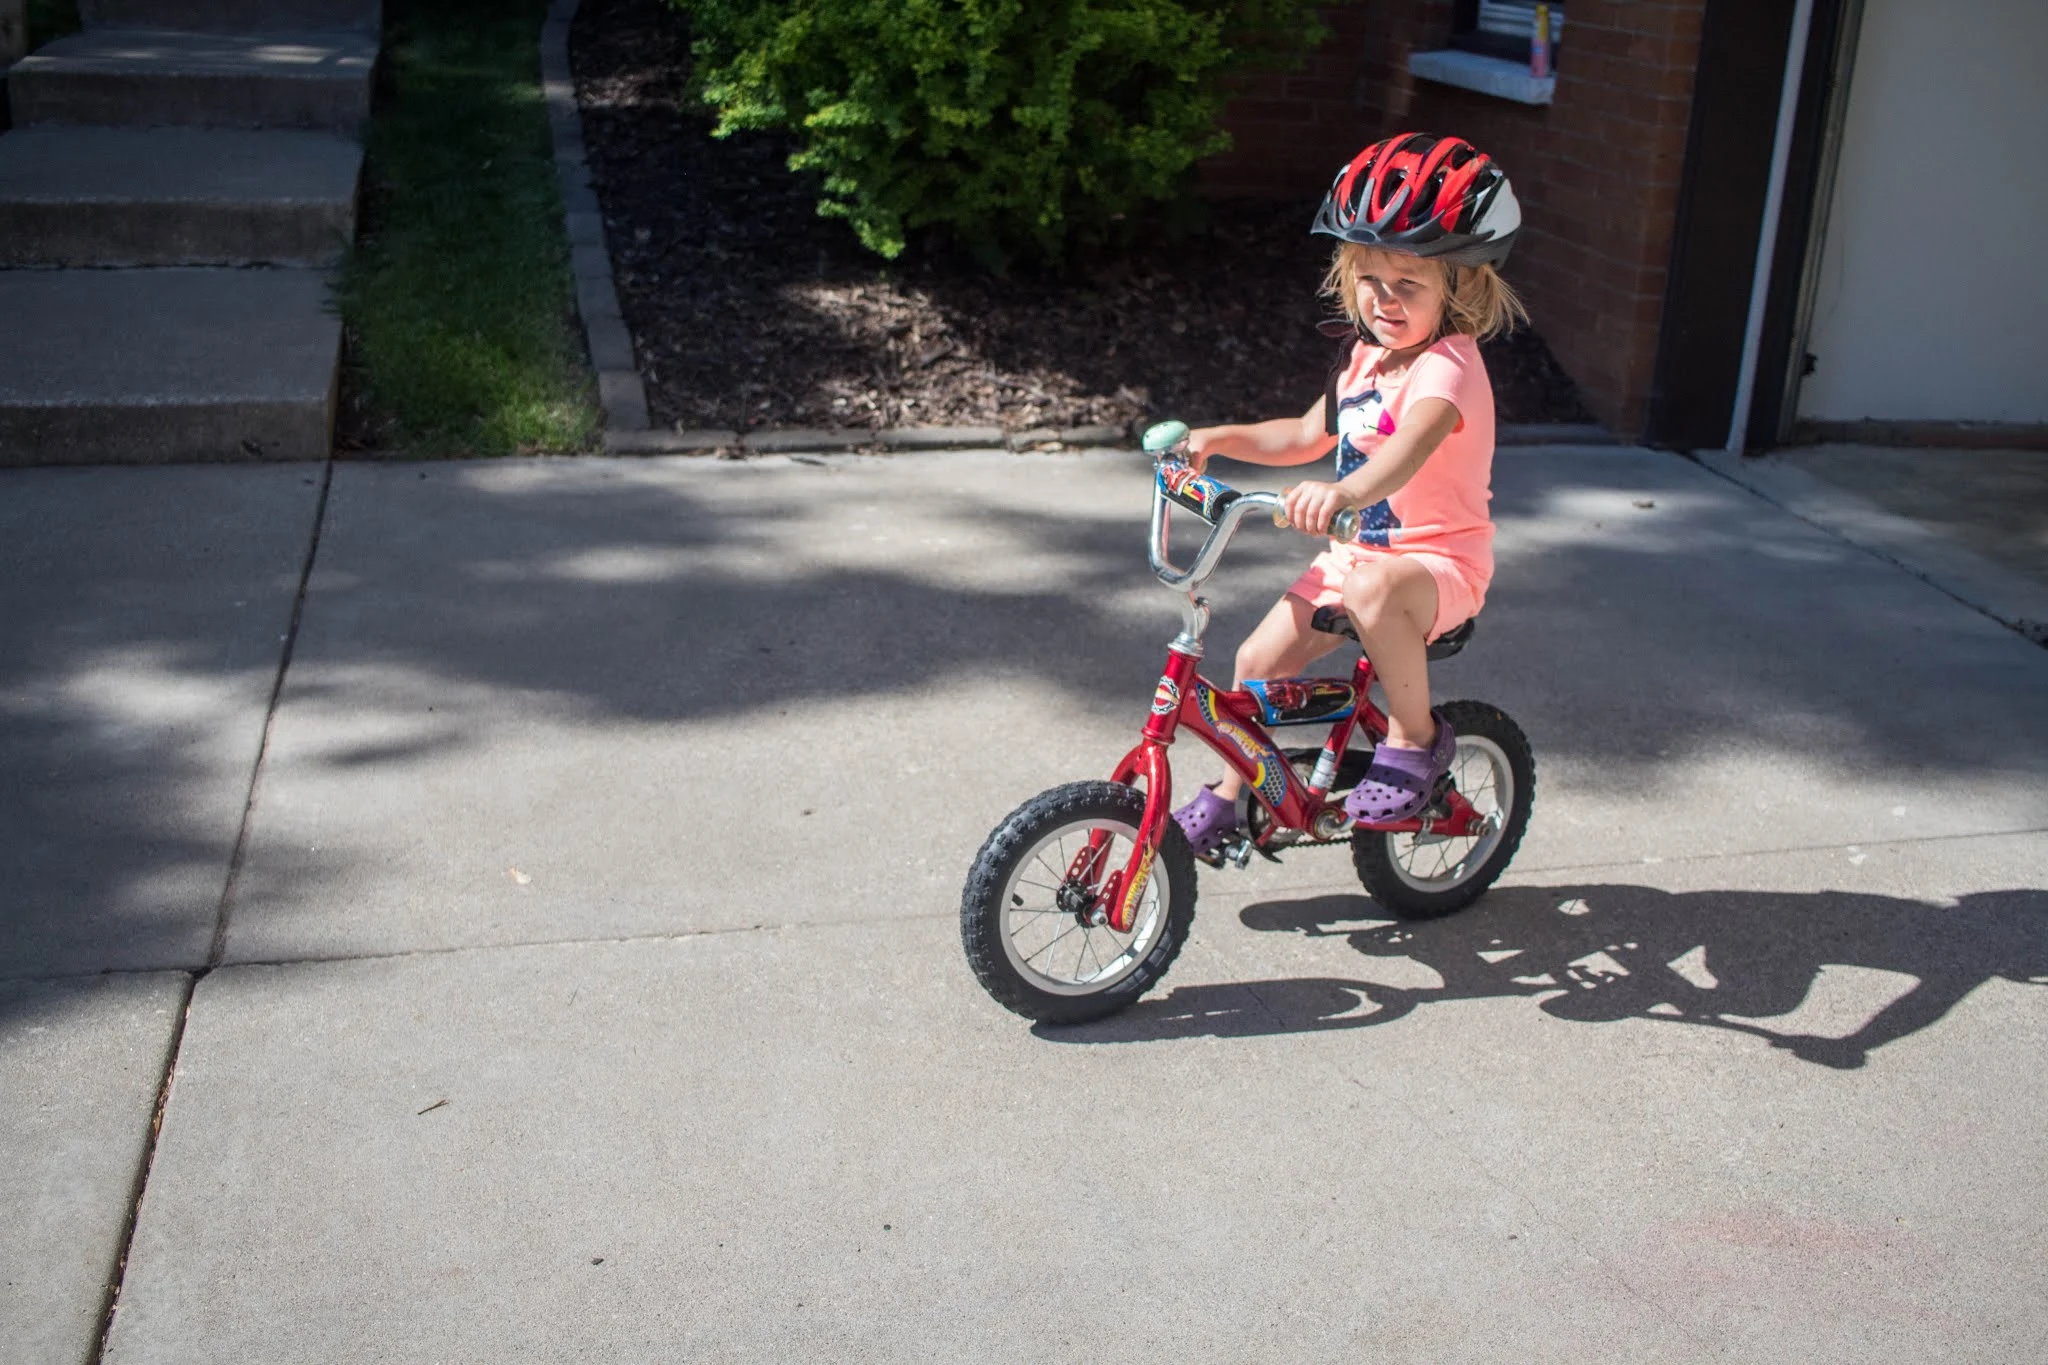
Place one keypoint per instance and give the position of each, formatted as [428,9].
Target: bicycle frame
[1229,722]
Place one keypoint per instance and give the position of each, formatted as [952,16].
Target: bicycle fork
[1147,763]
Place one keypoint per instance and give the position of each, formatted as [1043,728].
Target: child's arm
[1283,440]
[1311,504]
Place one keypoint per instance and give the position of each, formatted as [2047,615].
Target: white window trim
[1488,75]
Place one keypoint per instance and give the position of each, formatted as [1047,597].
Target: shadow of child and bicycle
[1751,962]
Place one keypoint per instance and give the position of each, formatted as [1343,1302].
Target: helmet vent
[1426,195]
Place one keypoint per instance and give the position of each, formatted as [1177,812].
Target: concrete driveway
[578,977]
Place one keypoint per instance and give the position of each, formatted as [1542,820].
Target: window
[1502,28]
[1492,42]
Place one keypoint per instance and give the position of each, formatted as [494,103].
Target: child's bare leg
[1392,601]
[1279,647]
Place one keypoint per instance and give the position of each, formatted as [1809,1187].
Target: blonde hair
[1477,301]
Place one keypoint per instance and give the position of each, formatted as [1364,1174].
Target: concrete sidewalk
[577,977]
[1974,523]
[1992,502]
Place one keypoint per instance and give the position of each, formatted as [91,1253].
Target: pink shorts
[1459,595]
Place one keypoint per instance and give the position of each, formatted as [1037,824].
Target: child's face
[1400,297]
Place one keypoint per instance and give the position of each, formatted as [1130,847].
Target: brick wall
[1597,171]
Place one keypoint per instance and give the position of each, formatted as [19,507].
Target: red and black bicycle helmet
[1427,195]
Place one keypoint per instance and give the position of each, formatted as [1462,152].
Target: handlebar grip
[1204,496]
[1343,526]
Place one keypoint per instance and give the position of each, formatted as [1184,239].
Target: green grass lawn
[458,300]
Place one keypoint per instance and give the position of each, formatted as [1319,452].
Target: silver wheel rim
[1435,862]
[1048,946]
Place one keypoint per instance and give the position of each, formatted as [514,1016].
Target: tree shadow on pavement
[146,612]
[1765,964]
[625,595]
[1641,621]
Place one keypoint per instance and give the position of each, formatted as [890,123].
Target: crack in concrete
[142,1169]
[1725,855]
[454,949]
[778,926]
[238,858]
[1830,847]
[217,949]
[2032,631]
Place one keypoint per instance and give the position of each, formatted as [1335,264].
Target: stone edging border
[619,389]
[771,440]
[623,395]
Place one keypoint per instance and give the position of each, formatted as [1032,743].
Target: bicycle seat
[1336,621]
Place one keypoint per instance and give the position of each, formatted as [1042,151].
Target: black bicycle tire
[981,910]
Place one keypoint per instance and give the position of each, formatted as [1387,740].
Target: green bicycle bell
[1165,436]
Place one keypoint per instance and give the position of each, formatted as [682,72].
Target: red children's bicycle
[1080,900]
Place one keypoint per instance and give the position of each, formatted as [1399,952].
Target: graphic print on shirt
[1362,423]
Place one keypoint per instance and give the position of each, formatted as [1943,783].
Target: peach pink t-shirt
[1443,508]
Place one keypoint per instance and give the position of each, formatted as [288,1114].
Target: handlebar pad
[1200,494]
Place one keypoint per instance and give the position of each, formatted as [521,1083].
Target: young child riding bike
[1422,223]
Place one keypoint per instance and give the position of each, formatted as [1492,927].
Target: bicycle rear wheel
[1027,921]
[1421,876]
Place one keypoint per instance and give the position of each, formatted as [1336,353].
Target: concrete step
[139,77]
[232,16]
[151,366]
[175,196]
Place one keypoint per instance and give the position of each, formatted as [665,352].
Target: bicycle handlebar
[1175,481]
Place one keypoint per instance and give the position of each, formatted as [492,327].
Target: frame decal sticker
[1128,911]
[1269,769]
[1294,701]
[1166,697]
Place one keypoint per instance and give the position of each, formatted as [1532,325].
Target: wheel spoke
[1481,774]
[1055,942]
[1019,935]
[1052,947]
[1118,947]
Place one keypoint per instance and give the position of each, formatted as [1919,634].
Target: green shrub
[1019,128]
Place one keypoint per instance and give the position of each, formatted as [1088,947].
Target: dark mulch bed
[749,310]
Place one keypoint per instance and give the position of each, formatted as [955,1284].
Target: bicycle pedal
[1234,854]
[1438,806]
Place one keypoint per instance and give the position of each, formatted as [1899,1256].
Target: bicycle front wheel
[1028,915]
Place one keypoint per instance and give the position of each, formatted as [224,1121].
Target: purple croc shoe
[1400,780]
[1209,821]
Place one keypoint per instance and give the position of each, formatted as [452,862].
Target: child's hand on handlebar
[1312,503]
[1199,447]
